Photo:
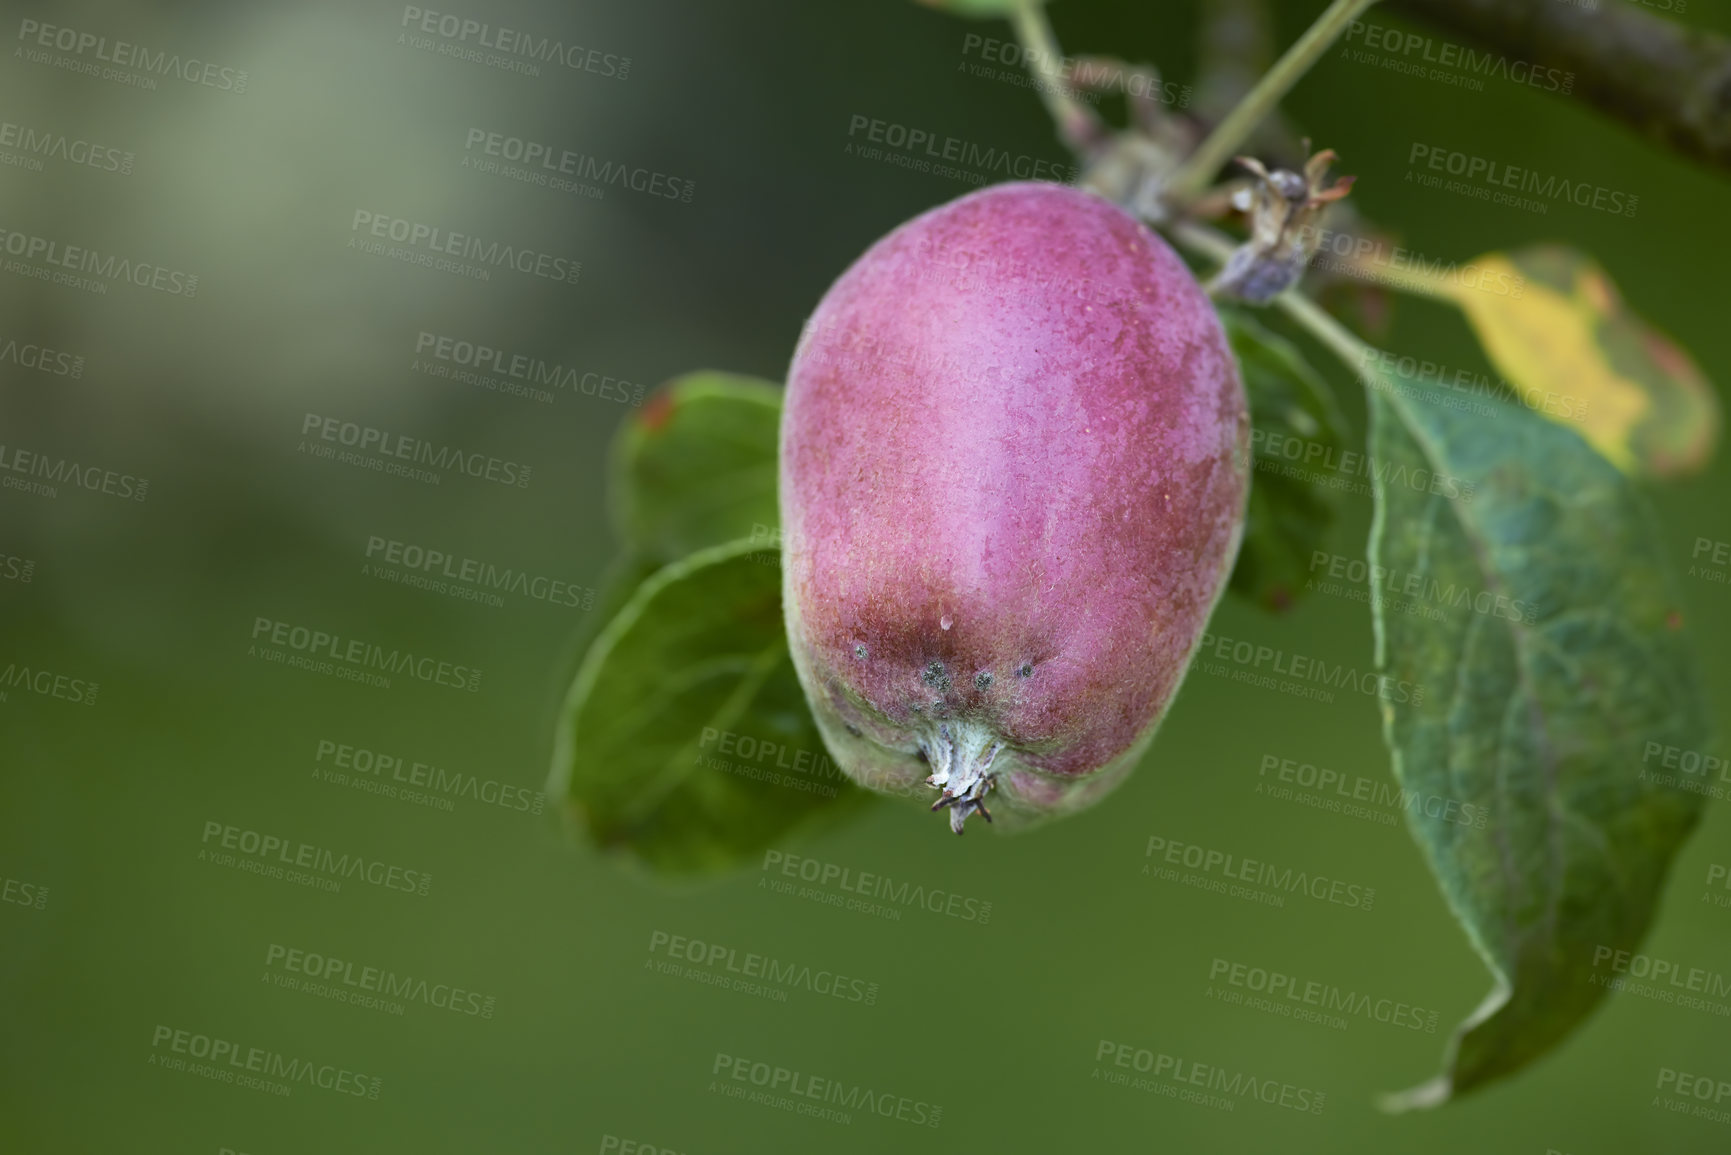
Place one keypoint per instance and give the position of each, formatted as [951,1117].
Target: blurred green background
[105,805]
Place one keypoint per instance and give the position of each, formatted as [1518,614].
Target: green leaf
[1533,710]
[696,466]
[616,585]
[1288,516]
[979,9]
[651,752]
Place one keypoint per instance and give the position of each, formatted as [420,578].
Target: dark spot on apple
[982,680]
[1025,670]
[936,675]
[860,652]
[853,729]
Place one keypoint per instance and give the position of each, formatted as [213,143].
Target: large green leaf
[617,584]
[698,652]
[1540,723]
[1288,516]
[696,466]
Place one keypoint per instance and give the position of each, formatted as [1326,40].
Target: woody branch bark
[1668,82]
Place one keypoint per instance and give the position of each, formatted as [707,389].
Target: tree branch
[1667,82]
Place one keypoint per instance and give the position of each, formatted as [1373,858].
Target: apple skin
[1012,485]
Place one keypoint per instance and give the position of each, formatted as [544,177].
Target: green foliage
[1527,638]
[1288,517]
[685,739]
[1540,622]
[696,466]
[651,748]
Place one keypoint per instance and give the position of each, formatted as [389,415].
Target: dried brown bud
[1284,208]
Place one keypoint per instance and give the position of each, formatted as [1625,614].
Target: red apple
[1012,488]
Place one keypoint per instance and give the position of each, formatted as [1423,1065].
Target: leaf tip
[1423,1097]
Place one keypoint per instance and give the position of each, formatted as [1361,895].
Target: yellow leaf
[1568,346]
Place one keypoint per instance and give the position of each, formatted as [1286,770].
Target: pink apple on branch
[1013,482]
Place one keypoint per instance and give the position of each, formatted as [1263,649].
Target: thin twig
[1198,169]
[1078,127]
[1198,237]
[1346,344]
[1409,280]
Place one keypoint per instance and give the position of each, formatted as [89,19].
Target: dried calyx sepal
[962,770]
[1284,208]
